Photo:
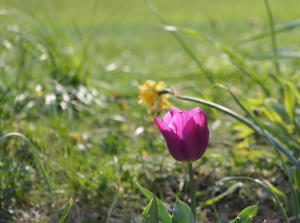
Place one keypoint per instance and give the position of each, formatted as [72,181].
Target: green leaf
[272,115]
[246,215]
[182,213]
[63,218]
[150,214]
[243,130]
[162,210]
[289,99]
[298,96]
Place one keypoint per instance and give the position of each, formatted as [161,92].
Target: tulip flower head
[186,133]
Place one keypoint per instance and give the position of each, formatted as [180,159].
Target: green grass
[92,55]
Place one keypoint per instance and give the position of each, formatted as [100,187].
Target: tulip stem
[192,189]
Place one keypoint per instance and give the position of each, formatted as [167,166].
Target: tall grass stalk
[277,29]
[273,36]
[66,212]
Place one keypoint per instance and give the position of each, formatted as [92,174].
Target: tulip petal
[199,117]
[168,117]
[195,136]
[196,110]
[174,143]
[161,125]
[175,146]
[179,121]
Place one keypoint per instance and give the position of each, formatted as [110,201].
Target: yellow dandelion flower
[150,95]
[74,136]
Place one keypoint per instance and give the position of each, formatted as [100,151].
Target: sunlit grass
[70,72]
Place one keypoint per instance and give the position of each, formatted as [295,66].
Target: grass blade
[63,218]
[289,100]
[34,152]
[273,36]
[282,56]
[278,29]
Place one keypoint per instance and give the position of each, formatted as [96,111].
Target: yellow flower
[74,136]
[150,95]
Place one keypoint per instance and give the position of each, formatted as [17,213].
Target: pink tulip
[186,133]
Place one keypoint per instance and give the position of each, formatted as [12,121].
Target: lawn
[69,96]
